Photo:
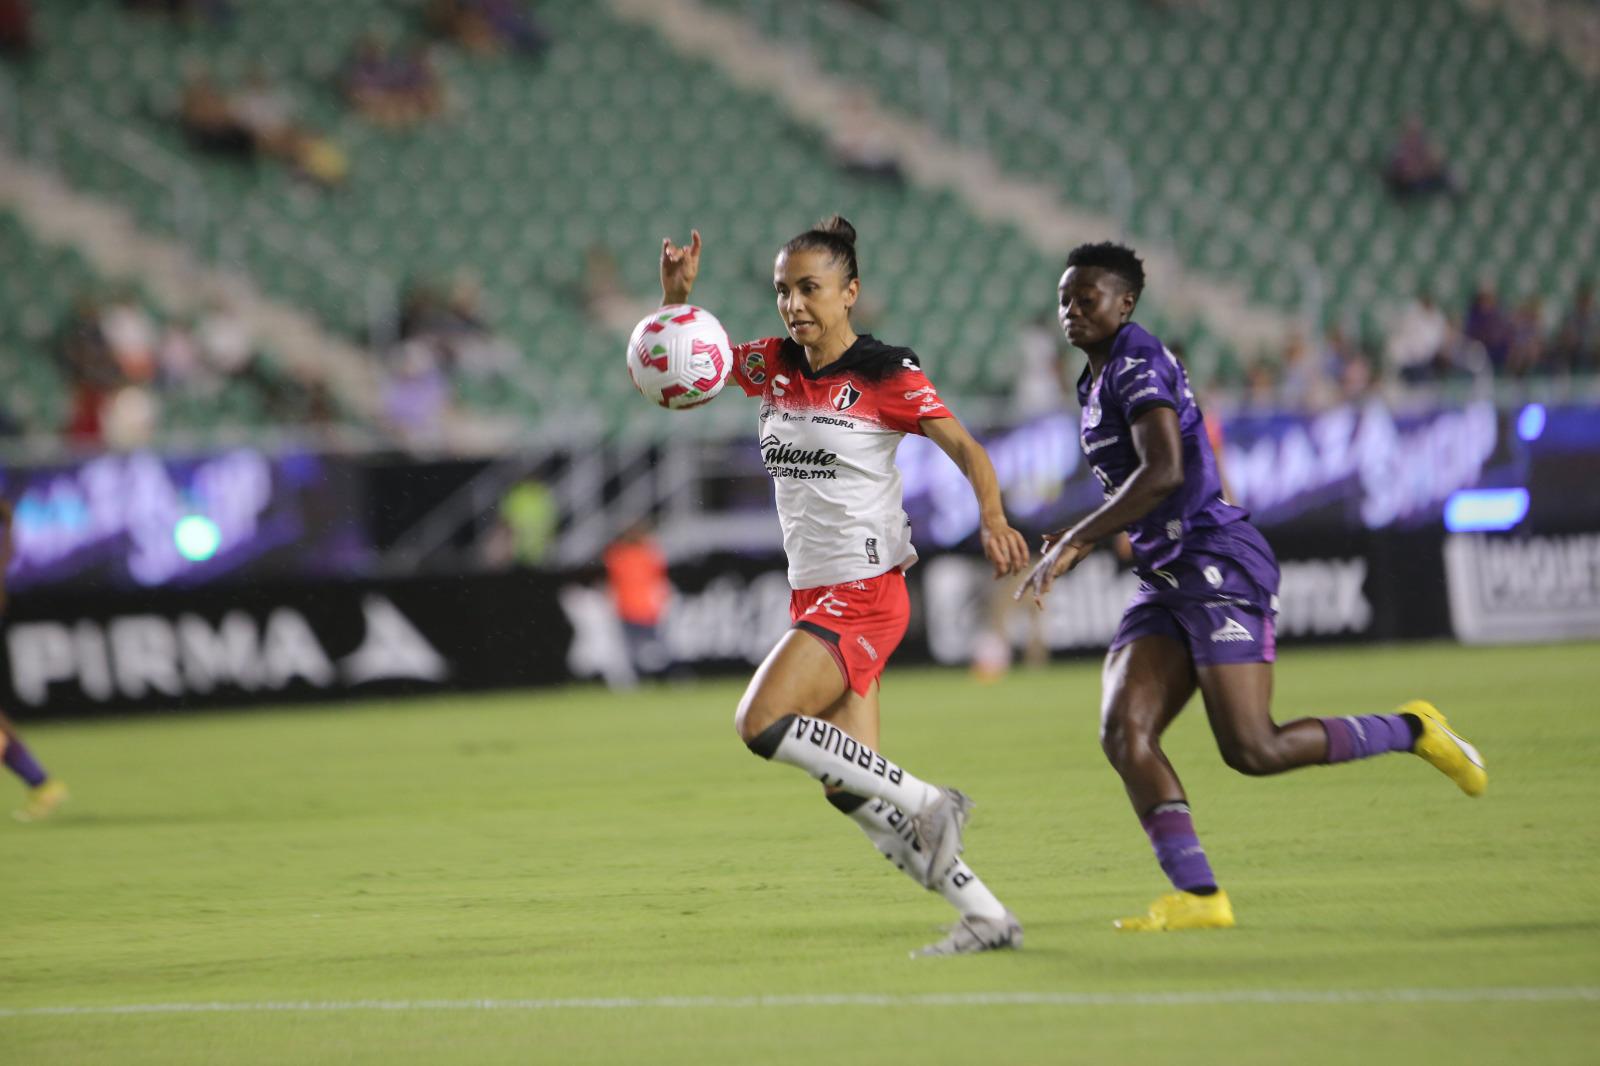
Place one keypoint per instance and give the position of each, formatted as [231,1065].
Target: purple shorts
[1219,598]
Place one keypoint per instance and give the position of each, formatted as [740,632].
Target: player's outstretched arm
[1004,546]
[1159,445]
[680,265]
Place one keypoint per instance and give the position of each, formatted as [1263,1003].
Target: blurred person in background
[207,118]
[488,26]
[1041,385]
[861,146]
[45,793]
[225,339]
[1302,379]
[1488,325]
[1415,167]
[1417,338]
[389,86]
[1576,348]
[1525,340]
[417,396]
[131,337]
[636,578]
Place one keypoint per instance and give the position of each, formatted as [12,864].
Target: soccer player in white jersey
[834,407]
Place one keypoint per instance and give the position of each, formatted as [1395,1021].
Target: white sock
[840,761]
[889,829]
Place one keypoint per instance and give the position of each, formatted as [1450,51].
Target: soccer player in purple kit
[45,793]
[1203,615]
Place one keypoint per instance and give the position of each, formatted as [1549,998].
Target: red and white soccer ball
[679,356]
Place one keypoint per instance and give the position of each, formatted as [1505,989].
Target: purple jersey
[1142,374]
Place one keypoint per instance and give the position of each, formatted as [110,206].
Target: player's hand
[1005,547]
[679,267]
[1061,553]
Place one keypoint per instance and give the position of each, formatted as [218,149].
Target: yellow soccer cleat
[1182,910]
[1455,758]
[41,802]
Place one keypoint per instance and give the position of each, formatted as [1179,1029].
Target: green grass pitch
[539,848]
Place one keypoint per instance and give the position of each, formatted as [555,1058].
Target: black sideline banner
[72,655]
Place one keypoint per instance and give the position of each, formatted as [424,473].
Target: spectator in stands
[129,418]
[266,110]
[1576,347]
[452,323]
[392,88]
[180,366]
[1044,379]
[208,120]
[1415,167]
[488,26]
[1304,383]
[1415,348]
[16,29]
[417,396]
[86,363]
[1488,325]
[861,146]
[1525,341]
[1351,366]
[1261,383]
[130,336]
[225,339]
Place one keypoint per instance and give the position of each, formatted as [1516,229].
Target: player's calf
[839,761]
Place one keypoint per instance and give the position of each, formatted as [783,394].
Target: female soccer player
[45,793]
[834,407]
[1203,616]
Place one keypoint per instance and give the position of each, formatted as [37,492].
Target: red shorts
[860,622]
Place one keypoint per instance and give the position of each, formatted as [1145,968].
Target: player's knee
[755,718]
[1253,757]
[1123,747]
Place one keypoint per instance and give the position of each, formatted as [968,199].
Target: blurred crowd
[1420,346]
[123,363]
[1423,344]
[444,341]
[258,120]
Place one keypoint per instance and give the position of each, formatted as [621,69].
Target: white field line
[1268,997]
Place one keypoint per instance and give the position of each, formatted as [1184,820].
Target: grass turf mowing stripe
[969,999]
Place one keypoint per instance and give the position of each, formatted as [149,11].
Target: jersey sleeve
[752,364]
[1142,379]
[907,398]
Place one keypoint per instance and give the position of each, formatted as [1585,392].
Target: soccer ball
[679,356]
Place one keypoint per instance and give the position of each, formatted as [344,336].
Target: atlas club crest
[843,396]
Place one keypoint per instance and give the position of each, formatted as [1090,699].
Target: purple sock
[1178,849]
[1364,736]
[22,763]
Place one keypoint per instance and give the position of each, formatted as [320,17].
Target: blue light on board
[1479,510]
[1530,422]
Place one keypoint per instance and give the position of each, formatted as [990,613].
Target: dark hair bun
[840,227]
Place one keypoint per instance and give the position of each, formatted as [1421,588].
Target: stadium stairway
[978,180]
[1284,111]
[534,166]
[117,250]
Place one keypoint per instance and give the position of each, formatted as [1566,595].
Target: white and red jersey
[828,439]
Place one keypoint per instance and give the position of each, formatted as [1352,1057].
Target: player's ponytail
[834,235]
